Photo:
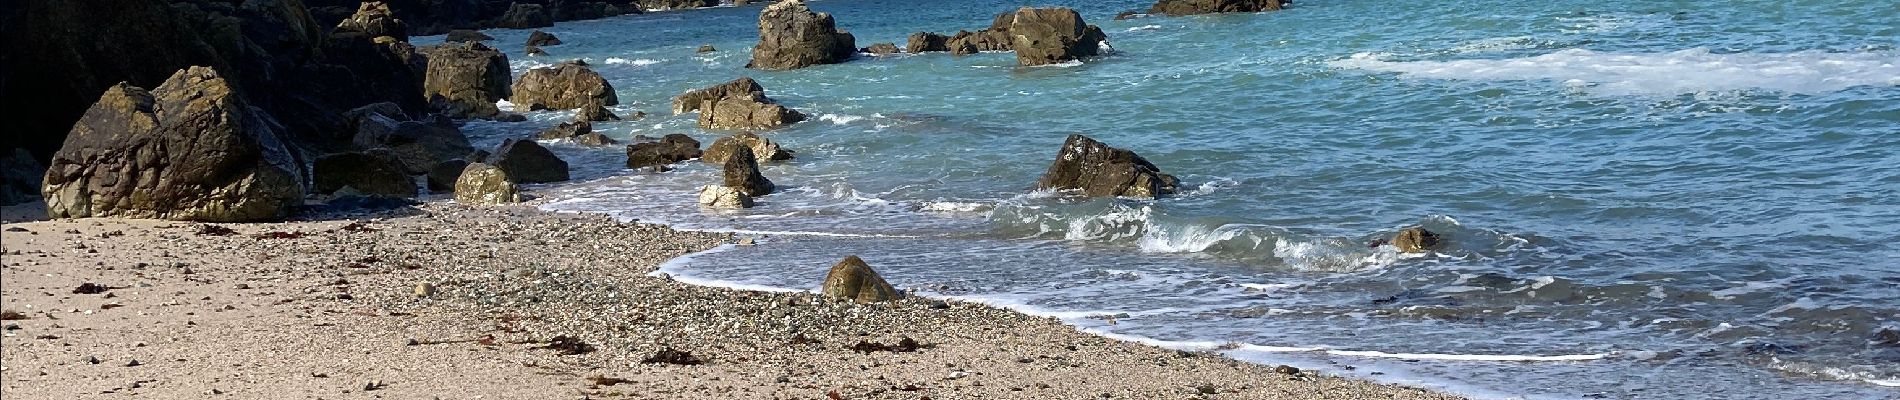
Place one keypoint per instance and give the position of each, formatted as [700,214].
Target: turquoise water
[1642,199]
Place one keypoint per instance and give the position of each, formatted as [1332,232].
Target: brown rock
[761,147]
[791,36]
[705,48]
[566,131]
[467,35]
[523,16]
[528,162]
[594,111]
[852,279]
[569,85]
[482,184]
[539,38]
[1192,7]
[374,18]
[1043,36]
[465,80]
[741,171]
[885,48]
[1415,240]
[668,150]
[1099,170]
[926,41]
[739,104]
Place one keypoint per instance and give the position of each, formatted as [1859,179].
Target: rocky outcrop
[662,5]
[565,131]
[926,42]
[705,48]
[528,162]
[741,171]
[854,280]
[539,38]
[375,19]
[668,150]
[1192,7]
[465,80]
[791,36]
[191,149]
[716,196]
[467,35]
[1097,170]
[533,51]
[1042,36]
[1415,240]
[373,172]
[739,104]
[20,177]
[693,100]
[594,111]
[434,17]
[483,184]
[524,16]
[882,49]
[419,144]
[442,176]
[568,85]
[762,148]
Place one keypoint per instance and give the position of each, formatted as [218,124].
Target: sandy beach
[447,301]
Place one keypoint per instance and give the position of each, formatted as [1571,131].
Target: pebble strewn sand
[331,309]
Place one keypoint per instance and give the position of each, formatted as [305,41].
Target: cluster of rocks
[739,104]
[1039,36]
[434,17]
[1192,7]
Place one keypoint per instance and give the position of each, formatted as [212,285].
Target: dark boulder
[926,41]
[705,48]
[739,104]
[741,171]
[465,80]
[443,175]
[662,5]
[192,149]
[467,36]
[20,176]
[594,139]
[528,162]
[791,36]
[1415,240]
[566,131]
[533,51]
[419,144]
[1192,7]
[1099,170]
[761,147]
[374,172]
[539,38]
[375,19]
[854,280]
[1045,36]
[668,150]
[524,16]
[882,48]
[569,85]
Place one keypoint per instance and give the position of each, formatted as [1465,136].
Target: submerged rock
[791,36]
[668,150]
[1192,7]
[1043,36]
[191,149]
[716,196]
[1415,240]
[854,280]
[567,86]
[741,171]
[465,80]
[373,172]
[535,51]
[528,162]
[539,38]
[481,184]
[761,147]
[1099,170]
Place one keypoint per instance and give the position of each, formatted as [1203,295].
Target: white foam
[1144,28]
[637,63]
[672,267]
[1467,357]
[954,206]
[1885,382]
[1189,239]
[1686,71]
[839,119]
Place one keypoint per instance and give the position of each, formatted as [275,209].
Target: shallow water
[1642,199]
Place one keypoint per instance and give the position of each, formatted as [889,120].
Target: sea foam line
[1678,72]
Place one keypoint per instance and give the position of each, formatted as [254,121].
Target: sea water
[1638,199]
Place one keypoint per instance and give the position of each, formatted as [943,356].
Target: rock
[668,150]
[528,162]
[533,51]
[467,35]
[191,149]
[594,139]
[1099,170]
[539,38]
[374,172]
[739,104]
[662,5]
[741,171]
[419,144]
[465,80]
[705,48]
[716,196]
[425,289]
[852,279]
[566,130]
[885,48]
[374,18]
[1127,15]
[791,36]
[20,177]
[1192,7]
[1415,240]
[385,109]
[524,16]
[691,101]
[566,86]
[1043,36]
[481,184]
[594,111]
[995,38]
[926,41]
[443,175]
[763,148]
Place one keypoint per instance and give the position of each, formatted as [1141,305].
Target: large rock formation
[791,36]
[742,172]
[739,104]
[762,148]
[994,38]
[854,280]
[191,149]
[668,150]
[1099,170]
[528,162]
[375,19]
[926,42]
[466,79]
[566,86]
[1191,7]
[1044,36]
[481,184]
[523,16]
[374,172]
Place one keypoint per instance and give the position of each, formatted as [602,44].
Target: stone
[705,48]
[528,162]
[534,51]
[662,5]
[741,172]
[1415,240]
[854,280]
[995,38]
[192,149]
[594,139]
[524,16]
[739,104]
[716,196]
[1043,36]
[1127,15]
[374,172]
[1192,7]
[566,130]
[691,101]
[594,111]
[1098,170]
[881,49]
[791,36]
[566,86]
[668,150]
[374,18]
[425,289]
[20,175]
[465,80]
[419,144]
[925,42]
[443,175]
[467,35]
[539,38]
[761,147]
[483,184]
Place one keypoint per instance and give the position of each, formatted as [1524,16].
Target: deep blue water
[1656,199]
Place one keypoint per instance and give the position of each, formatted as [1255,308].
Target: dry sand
[329,308]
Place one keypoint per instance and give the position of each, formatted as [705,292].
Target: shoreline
[329,307]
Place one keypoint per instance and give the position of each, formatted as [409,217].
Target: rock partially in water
[705,48]
[1099,170]
[926,42]
[566,130]
[567,86]
[668,150]
[1192,7]
[739,104]
[482,184]
[191,149]
[535,51]
[791,36]
[741,171]
[1043,36]
[716,196]
[595,111]
[854,280]
[528,162]
[662,5]
[1415,240]
[539,38]
[994,38]
[466,36]
[465,80]
[375,172]
[374,18]
[885,48]
[761,147]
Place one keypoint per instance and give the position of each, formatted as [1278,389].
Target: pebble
[425,289]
